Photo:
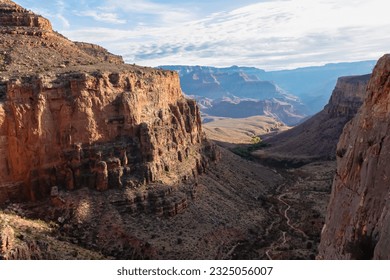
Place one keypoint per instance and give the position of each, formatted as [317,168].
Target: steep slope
[34,240]
[358,219]
[317,137]
[73,115]
[30,46]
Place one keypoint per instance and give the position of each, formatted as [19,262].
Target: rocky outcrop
[14,15]
[29,45]
[26,239]
[160,200]
[348,96]
[84,119]
[100,52]
[317,137]
[358,219]
[96,129]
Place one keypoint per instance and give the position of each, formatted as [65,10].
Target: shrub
[256,140]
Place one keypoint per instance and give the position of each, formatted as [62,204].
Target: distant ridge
[317,137]
[312,85]
[237,92]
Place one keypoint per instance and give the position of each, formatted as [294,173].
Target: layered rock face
[317,137]
[358,219]
[13,15]
[348,96]
[85,119]
[29,46]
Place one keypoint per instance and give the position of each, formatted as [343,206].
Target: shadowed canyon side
[358,218]
[316,138]
[73,115]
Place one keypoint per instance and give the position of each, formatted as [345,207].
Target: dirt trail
[280,198]
[286,219]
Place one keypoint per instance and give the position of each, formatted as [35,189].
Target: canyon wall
[358,219]
[317,137]
[73,115]
[91,129]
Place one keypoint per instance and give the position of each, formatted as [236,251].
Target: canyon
[105,160]
[76,118]
[317,137]
[289,96]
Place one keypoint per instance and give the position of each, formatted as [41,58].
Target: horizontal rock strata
[74,115]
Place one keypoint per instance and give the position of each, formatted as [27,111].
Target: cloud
[271,34]
[103,16]
[55,12]
[60,7]
[161,13]
[65,22]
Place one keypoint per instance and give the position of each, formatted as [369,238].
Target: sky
[272,35]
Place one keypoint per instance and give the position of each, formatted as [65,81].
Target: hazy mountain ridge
[238,92]
[308,89]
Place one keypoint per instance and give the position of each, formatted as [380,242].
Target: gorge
[105,160]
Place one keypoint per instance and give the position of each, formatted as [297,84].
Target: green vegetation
[245,151]
[256,140]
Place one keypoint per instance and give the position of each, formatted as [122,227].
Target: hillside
[232,131]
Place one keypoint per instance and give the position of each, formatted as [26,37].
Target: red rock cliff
[358,220]
[72,118]
[13,15]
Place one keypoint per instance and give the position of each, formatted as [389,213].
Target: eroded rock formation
[317,137]
[358,219]
[72,115]
[13,15]
[29,46]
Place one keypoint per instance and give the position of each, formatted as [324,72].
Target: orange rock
[84,124]
[359,206]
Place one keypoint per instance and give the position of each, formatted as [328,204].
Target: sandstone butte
[358,216]
[74,115]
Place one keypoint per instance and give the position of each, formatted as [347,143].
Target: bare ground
[231,131]
[242,210]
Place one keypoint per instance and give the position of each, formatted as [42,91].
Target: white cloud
[163,13]
[65,22]
[271,35]
[103,17]
[60,5]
